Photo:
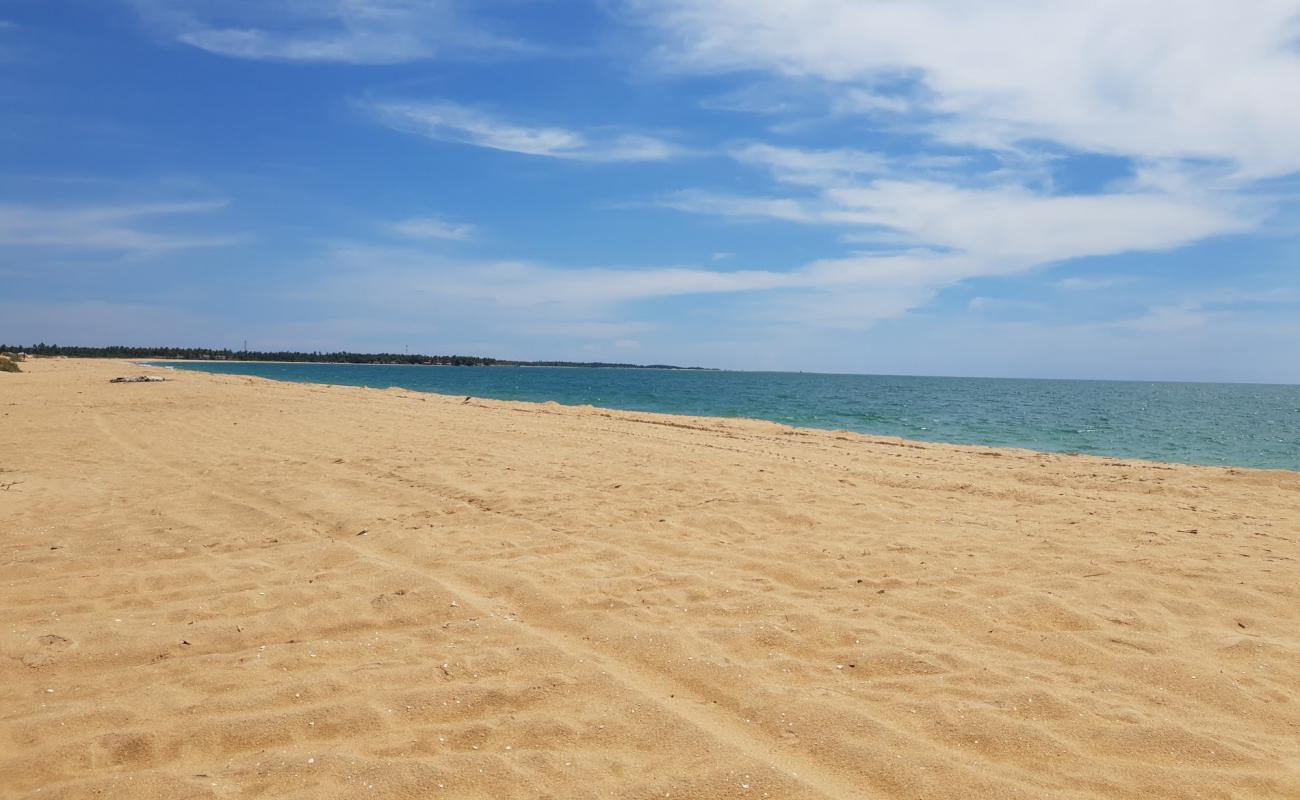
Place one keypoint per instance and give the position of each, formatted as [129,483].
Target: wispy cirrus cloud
[432,226]
[703,201]
[1007,225]
[1084,284]
[1003,304]
[1198,309]
[343,31]
[415,277]
[808,167]
[849,293]
[117,229]
[453,122]
[1014,224]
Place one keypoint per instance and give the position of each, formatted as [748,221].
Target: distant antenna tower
[245,345]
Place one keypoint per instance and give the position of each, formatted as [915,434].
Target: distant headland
[315,357]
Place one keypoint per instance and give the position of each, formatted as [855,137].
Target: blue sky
[1007,188]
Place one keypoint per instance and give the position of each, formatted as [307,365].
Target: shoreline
[147,361]
[226,586]
[684,415]
[773,372]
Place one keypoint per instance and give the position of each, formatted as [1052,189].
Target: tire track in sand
[670,696]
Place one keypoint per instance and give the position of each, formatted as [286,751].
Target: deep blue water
[1248,425]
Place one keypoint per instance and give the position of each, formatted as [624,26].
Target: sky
[943,187]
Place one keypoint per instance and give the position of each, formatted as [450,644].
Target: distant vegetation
[206,354]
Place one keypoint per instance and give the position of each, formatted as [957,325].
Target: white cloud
[114,229]
[811,167]
[849,293]
[1197,310]
[589,329]
[999,220]
[1220,87]
[1002,304]
[1012,224]
[1163,79]
[809,97]
[1005,225]
[1088,284]
[346,31]
[698,201]
[453,122]
[414,277]
[432,227]
[763,98]
[866,101]
[1167,319]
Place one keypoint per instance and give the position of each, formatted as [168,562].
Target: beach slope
[220,586]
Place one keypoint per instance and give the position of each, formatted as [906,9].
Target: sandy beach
[220,587]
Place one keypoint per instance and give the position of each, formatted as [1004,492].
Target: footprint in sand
[47,649]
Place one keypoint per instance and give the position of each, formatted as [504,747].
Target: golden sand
[224,587]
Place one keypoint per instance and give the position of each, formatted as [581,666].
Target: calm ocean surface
[1197,423]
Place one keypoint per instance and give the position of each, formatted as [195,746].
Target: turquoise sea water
[1246,425]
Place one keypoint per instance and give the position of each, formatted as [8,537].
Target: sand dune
[221,587]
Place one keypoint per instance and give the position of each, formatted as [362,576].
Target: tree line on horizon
[341,357]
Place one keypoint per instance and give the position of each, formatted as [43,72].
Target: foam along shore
[221,586]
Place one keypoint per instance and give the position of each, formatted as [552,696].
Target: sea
[1222,424]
